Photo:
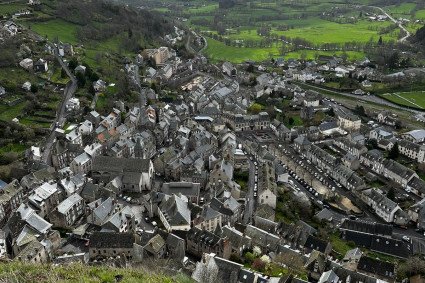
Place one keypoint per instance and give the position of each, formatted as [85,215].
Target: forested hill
[99,20]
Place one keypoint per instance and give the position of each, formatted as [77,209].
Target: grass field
[321,32]
[11,8]
[420,14]
[7,113]
[411,99]
[218,51]
[64,31]
[14,272]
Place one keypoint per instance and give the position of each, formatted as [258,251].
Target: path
[394,21]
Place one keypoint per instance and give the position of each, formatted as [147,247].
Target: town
[250,172]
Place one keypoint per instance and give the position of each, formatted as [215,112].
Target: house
[398,172]
[99,86]
[228,207]
[121,220]
[348,121]
[329,277]
[238,240]
[385,208]
[376,267]
[45,198]
[268,197]
[136,174]
[354,148]
[159,55]
[373,159]
[41,66]
[199,242]
[263,239]
[68,211]
[381,244]
[2,91]
[155,248]
[80,69]
[34,252]
[229,69]
[111,244]
[416,136]
[209,219]
[409,149]
[72,184]
[176,247]
[26,86]
[314,243]
[26,63]
[380,133]
[81,163]
[174,213]
[301,143]
[11,197]
[212,268]
[188,189]
[75,137]
[387,118]
[72,104]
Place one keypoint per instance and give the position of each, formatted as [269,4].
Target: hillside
[12,272]
[420,36]
[98,21]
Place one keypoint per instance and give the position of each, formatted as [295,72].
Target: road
[396,22]
[249,198]
[69,91]
[366,98]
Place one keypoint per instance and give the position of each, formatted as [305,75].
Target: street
[249,199]
[69,91]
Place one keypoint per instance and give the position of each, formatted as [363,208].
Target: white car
[405,238]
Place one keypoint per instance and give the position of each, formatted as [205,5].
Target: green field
[218,51]
[420,14]
[7,113]
[16,271]
[411,99]
[64,31]
[11,8]
[321,32]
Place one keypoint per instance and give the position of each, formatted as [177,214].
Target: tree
[394,152]
[63,73]
[380,41]
[34,88]
[258,265]
[291,121]
[73,63]
[331,112]
[359,110]
[393,60]
[81,79]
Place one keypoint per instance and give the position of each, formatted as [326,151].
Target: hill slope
[420,36]
[12,272]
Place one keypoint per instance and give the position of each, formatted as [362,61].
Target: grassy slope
[61,29]
[19,272]
[416,97]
